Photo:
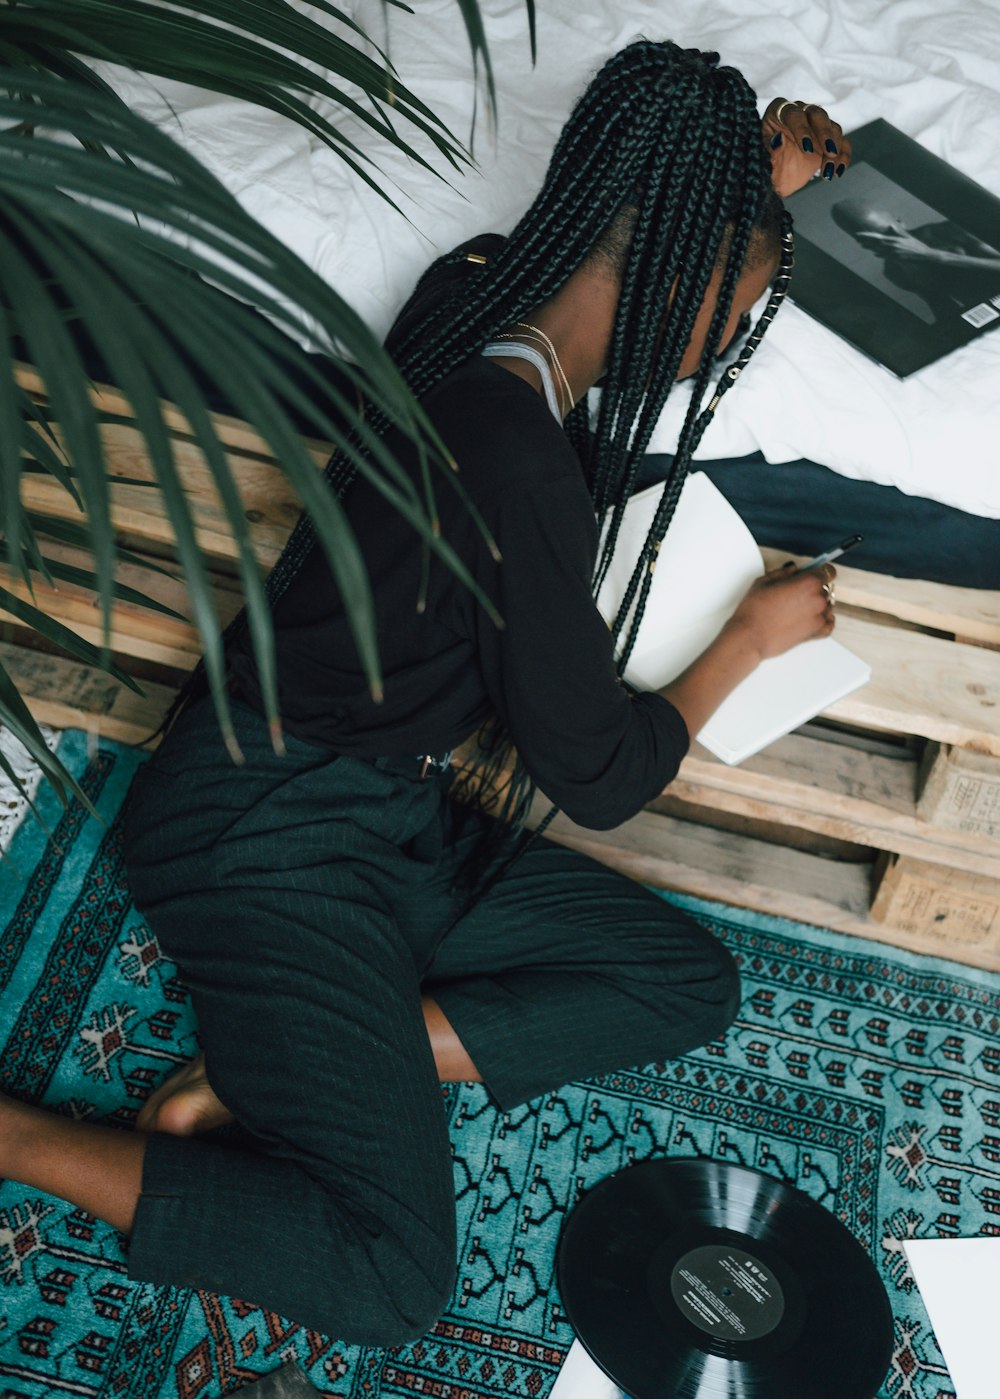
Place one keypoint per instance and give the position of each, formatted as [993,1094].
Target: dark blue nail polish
[807,144]
[828,170]
[831,146]
[840,170]
[775,141]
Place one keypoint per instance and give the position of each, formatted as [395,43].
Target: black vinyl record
[697,1280]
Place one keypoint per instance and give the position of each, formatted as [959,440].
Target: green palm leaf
[144,265]
[150,321]
[263,51]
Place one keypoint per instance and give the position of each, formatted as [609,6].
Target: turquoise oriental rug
[867,1077]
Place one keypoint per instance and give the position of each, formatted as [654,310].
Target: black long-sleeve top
[594,748]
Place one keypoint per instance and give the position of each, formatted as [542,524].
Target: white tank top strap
[513,349]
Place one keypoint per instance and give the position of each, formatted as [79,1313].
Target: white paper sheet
[581,1378]
[959,1281]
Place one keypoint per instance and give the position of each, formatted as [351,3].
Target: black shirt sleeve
[594,748]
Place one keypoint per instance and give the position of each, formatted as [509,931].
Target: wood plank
[836,791]
[135,630]
[68,694]
[972,613]
[755,875]
[923,685]
[270,505]
[796,836]
[232,432]
[696,859]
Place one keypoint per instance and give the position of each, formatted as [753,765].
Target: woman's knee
[695,983]
[724,985]
[416,1261]
[416,1301]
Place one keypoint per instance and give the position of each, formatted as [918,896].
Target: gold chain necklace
[541,338]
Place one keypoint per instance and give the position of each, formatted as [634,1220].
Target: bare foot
[185,1105]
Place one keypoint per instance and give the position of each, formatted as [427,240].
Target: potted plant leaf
[124,261]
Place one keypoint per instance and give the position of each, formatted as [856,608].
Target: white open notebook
[707,561]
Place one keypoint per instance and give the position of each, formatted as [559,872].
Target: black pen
[832,554]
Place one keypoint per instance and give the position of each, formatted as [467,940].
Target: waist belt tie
[414,766]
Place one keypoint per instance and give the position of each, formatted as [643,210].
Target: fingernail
[807,144]
[831,146]
[828,171]
[840,170]
[775,141]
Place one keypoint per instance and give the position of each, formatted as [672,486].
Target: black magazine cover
[902,256]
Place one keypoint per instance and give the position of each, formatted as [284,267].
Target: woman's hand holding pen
[785,607]
[778,611]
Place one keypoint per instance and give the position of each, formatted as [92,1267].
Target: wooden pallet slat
[270,505]
[68,694]
[833,790]
[781,883]
[232,432]
[924,685]
[971,613]
[136,631]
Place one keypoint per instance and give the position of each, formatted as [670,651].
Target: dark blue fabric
[807,508]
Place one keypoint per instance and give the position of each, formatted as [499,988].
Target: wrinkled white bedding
[931,70]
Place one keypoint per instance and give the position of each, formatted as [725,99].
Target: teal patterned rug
[867,1077]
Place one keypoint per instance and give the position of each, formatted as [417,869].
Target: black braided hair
[633,602]
[666,145]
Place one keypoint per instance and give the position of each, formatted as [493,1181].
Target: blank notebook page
[706,562]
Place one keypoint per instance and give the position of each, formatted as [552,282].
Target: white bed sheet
[931,70]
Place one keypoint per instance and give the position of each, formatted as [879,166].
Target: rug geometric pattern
[868,1077]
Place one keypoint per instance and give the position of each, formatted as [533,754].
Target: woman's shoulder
[497,425]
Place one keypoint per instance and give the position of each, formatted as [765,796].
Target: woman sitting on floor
[317,903]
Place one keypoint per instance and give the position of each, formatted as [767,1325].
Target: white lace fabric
[13,803]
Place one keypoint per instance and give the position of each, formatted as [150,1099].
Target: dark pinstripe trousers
[308,901]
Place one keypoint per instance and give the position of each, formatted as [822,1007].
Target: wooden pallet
[905,773]
[903,776]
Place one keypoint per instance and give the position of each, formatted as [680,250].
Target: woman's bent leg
[566,969]
[338,1210]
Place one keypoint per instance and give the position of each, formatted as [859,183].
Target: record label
[727,1293]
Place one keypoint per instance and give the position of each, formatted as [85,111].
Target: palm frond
[77,273]
[16,717]
[122,257]
[262,51]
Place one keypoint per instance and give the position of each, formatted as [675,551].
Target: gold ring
[829,592]
[781,108]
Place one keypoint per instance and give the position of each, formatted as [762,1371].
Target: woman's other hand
[785,607]
[803,141]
